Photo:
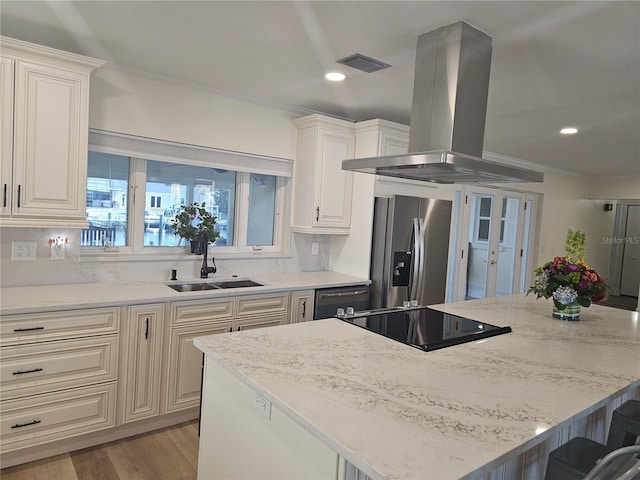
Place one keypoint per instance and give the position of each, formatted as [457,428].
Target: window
[172,185]
[107,193]
[132,199]
[262,209]
[484,219]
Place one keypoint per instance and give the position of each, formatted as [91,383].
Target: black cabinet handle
[4,195]
[27,329]
[27,371]
[317,213]
[304,309]
[19,425]
[146,328]
[19,189]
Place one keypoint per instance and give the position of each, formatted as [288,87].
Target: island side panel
[238,442]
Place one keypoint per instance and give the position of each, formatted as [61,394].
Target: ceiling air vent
[366,64]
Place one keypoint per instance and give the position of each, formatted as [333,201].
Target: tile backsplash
[115,266]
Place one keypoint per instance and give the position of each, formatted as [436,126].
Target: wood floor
[170,453]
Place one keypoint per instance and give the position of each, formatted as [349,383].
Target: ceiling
[555,64]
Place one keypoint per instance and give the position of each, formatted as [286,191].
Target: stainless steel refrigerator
[410,250]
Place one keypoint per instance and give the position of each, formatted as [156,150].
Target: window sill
[125,255]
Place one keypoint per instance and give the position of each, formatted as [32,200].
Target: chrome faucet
[203,243]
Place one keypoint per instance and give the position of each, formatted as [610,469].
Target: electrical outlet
[23,251]
[314,248]
[262,405]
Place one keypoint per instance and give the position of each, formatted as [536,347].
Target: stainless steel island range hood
[448,115]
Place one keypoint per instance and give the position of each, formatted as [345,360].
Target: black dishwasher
[329,300]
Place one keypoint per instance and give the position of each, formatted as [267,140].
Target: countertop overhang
[396,412]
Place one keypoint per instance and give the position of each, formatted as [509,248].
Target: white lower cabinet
[58,375]
[197,318]
[38,368]
[184,366]
[302,304]
[38,419]
[141,362]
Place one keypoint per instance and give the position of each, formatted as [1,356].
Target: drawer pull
[146,329]
[19,425]
[19,192]
[4,195]
[28,371]
[27,329]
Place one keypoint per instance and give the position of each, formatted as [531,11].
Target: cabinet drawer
[192,311]
[262,304]
[262,322]
[39,368]
[43,418]
[32,327]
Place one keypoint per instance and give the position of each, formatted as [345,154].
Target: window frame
[164,151]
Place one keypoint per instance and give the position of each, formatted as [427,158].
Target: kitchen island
[495,406]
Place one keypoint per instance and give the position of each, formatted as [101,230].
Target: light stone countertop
[396,412]
[29,299]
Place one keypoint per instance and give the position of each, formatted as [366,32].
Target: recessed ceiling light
[335,76]
[569,131]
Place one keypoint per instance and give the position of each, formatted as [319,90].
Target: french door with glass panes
[493,248]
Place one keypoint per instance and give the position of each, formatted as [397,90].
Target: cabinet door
[50,149]
[142,362]
[6,129]
[302,306]
[333,186]
[185,364]
[322,191]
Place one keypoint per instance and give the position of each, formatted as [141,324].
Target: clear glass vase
[571,312]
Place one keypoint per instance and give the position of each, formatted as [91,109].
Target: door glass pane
[170,185]
[262,201]
[478,249]
[525,247]
[107,198]
[507,253]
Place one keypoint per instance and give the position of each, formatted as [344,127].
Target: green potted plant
[193,219]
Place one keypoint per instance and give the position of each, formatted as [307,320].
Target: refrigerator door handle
[415,273]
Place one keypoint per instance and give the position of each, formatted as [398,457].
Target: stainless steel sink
[237,284]
[199,286]
[191,287]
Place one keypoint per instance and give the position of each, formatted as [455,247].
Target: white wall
[614,188]
[129,103]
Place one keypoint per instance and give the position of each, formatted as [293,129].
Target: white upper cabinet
[322,193]
[45,126]
[381,138]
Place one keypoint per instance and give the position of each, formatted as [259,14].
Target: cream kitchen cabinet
[141,363]
[190,319]
[58,375]
[381,138]
[45,109]
[322,191]
[302,303]
[196,318]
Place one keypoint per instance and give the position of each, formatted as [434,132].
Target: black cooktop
[423,327]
